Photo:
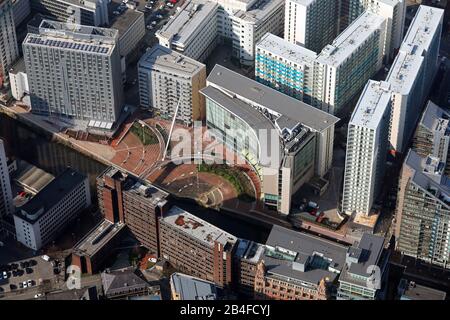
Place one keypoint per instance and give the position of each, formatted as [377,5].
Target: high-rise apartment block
[74,71]
[367,146]
[412,74]
[311,23]
[285,67]
[432,135]
[9,51]
[196,247]
[85,12]
[343,68]
[43,217]
[6,199]
[423,210]
[398,102]
[200,25]
[328,80]
[393,10]
[168,78]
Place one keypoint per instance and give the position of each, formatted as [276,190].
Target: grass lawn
[145,134]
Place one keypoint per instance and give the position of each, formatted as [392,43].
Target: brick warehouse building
[123,198]
[124,201]
[196,247]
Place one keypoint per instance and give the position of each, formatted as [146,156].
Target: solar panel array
[68,45]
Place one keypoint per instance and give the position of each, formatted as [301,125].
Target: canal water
[23,142]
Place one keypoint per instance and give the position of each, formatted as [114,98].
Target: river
[39,150]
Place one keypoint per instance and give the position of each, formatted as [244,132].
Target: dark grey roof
[246,112]
[414,291]
[369,253]
[98,238]
[51,194]
[191,288]
[119,280]
[267,97]
[306,249]
[370,249]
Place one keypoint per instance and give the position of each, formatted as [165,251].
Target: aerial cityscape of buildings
[316,142]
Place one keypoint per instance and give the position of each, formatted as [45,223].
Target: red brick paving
[140,164]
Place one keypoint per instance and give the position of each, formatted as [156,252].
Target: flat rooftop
[196,228]
[427,180]
[76,31]
[83,38]
[62,185]
[259,10]
[167,60]
[289,51]
[436,119]
[351,38]
[135,186]
[191,17]
[97,238]
[372,105]
[367,252]
[271,99]
[415,291]
[249,251]
[302,257]
[124,21]
[423,27]
[191,288]
[404,71]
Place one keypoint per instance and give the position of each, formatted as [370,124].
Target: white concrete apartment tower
[9,51]
[311,23]
[74,71]
[367,145]
[6,204]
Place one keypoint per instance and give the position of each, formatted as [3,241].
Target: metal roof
[266,97]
